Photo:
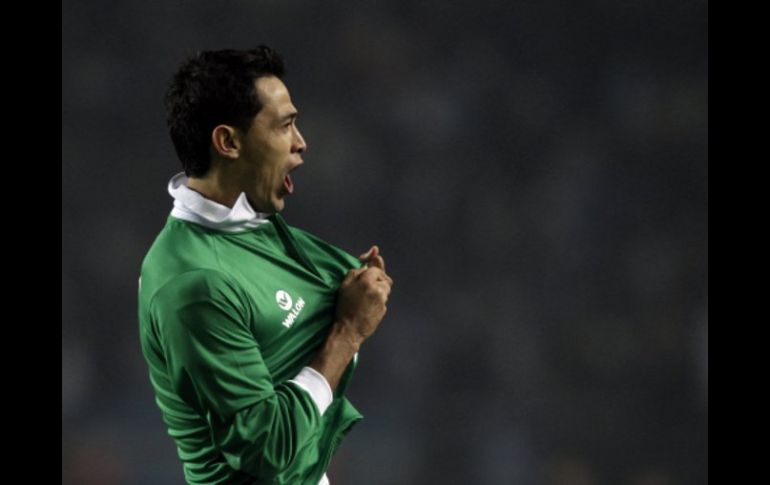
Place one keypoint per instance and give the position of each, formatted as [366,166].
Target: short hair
[212,88]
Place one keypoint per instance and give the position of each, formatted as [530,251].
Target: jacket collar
[191,206]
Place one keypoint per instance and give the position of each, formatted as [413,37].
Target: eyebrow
[287,117]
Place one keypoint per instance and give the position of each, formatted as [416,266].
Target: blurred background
[535,174]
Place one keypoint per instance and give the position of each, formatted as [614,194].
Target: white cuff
[324,480]
[316,385]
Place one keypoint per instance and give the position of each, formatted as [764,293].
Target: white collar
[190,205]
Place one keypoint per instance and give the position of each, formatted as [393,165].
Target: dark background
[535,174]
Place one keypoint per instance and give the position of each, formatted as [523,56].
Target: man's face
[271,148]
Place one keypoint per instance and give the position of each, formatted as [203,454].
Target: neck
[214,186]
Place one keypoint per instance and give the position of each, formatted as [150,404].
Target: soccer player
[250,327]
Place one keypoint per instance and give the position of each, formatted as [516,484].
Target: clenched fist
[361,304]
[363,296]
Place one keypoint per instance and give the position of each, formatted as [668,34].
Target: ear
[225,141]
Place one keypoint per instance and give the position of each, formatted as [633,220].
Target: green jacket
[226,320]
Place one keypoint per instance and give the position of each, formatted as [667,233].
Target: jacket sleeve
[215,366]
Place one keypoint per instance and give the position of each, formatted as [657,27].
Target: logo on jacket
[284,301]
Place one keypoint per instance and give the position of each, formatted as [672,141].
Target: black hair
[213,88]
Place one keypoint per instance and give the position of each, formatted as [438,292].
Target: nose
[298,143]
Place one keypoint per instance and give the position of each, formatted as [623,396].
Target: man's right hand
[363,296]
[361,304]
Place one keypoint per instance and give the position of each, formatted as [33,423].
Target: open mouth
[288,184]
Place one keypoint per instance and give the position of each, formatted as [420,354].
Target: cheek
[274,152]
[270,175]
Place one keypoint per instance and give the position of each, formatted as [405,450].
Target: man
[250,327]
